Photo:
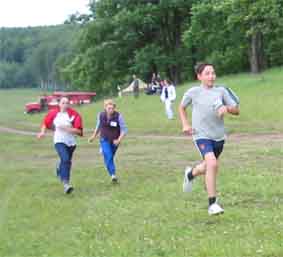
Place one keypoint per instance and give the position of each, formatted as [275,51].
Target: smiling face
[109,108]
[63,104]
[207,76]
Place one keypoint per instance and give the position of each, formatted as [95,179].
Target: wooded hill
[123,37]
[32,57]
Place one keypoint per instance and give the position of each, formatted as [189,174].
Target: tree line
[170,36]
[33,57]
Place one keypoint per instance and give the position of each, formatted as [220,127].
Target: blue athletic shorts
[210,146]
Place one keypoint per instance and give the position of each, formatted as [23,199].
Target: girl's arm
[119,139]
[94,135]
[124,130]
[96,130]
[47,123]
[42,132]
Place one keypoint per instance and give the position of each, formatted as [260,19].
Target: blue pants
[108,151]
[65,153]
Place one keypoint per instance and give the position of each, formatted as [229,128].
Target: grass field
[261,112]
[146,215]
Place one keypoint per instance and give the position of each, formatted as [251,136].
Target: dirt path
[17,131]
[263,137]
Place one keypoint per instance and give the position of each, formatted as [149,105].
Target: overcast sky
[23,13]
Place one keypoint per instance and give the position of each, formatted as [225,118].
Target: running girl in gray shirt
[210,104]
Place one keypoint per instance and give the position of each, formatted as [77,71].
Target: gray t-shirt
[205,103]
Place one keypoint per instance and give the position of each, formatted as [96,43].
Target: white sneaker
[68,189]
[187,184]
[215,209]
[114,179]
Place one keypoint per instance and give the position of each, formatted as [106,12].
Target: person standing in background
[168,96]
[136,89]
[119,91]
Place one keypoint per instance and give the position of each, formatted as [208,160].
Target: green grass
[12,111]
[146,215]
[260,96]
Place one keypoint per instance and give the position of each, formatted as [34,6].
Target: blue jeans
[108,151]
[65,153]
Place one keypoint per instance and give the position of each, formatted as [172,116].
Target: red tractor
[33,107]
[47,102]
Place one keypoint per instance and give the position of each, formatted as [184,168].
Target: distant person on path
[66,123]
[119,91]
[136,89]
[112,129]
[168,96]
[210,104]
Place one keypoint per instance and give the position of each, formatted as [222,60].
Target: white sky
[23,13]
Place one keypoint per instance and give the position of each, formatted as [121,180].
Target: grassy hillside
[260,96]
[146,215]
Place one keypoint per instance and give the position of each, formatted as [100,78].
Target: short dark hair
[201,66]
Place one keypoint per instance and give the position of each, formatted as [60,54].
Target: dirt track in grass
[263,137]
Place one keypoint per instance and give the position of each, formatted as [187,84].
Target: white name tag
[113,124]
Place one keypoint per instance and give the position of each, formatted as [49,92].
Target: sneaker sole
[69,191]
[216,214]
[185,182]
